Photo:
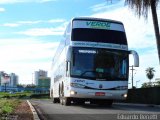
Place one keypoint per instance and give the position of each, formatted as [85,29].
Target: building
[44,82]
[39,74]
[4,79]
[8,81]
[13,80]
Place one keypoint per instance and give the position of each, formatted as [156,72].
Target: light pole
[132,69]
[32,78]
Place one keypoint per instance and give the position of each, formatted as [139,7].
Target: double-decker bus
[91,63]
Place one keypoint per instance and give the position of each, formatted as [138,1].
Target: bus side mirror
[136,58]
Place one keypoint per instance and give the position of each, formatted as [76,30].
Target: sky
[30,31]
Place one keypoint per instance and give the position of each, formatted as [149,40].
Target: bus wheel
[54,100]
[61,94]
[66,101]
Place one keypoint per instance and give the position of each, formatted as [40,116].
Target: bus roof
[96,19]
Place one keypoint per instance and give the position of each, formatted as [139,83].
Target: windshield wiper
[88,72]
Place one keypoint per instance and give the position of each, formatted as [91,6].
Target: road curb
[35,115]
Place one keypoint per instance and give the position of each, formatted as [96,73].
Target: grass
[8,105]
[8,101]
[15,95]
[24,95]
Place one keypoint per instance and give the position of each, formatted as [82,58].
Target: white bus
[91,63]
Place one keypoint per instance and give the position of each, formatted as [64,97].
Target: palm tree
[141,8]
[150,73]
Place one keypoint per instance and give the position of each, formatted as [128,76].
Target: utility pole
[132,69]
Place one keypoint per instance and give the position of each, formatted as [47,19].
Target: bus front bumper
[98,94]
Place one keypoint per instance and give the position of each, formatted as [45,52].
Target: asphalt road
[50,111]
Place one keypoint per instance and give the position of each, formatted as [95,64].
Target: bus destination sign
[97,24]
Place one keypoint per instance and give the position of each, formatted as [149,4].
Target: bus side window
[67,68]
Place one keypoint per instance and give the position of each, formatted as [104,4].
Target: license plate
[100,94]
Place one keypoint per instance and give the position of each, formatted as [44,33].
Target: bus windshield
[99,64]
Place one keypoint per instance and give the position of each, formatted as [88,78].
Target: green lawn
[15,95]
[8,105]
[8,101]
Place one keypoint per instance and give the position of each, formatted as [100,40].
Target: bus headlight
[77,85]
[73,92]
[124,95]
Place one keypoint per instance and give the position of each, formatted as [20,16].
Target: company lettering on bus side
[96,24]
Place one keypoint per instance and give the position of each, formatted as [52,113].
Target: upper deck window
[99,35]
[98,31]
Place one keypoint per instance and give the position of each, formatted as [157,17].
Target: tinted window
[99,35]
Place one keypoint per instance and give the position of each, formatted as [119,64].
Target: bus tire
[61,94]
[54,100]
[66,101]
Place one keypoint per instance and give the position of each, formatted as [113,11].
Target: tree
[30,86]
[20,85]
[141,8]
[144,85]
[158,83]
[150,73]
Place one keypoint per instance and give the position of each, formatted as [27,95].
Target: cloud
[20,23]
[10,25]
[45,31]
[42,31]
[98,7]
[2,9]
[42,1]
[24,56]
[29,22]
[107,5]
[24,1]
[27,49]
[56,20]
